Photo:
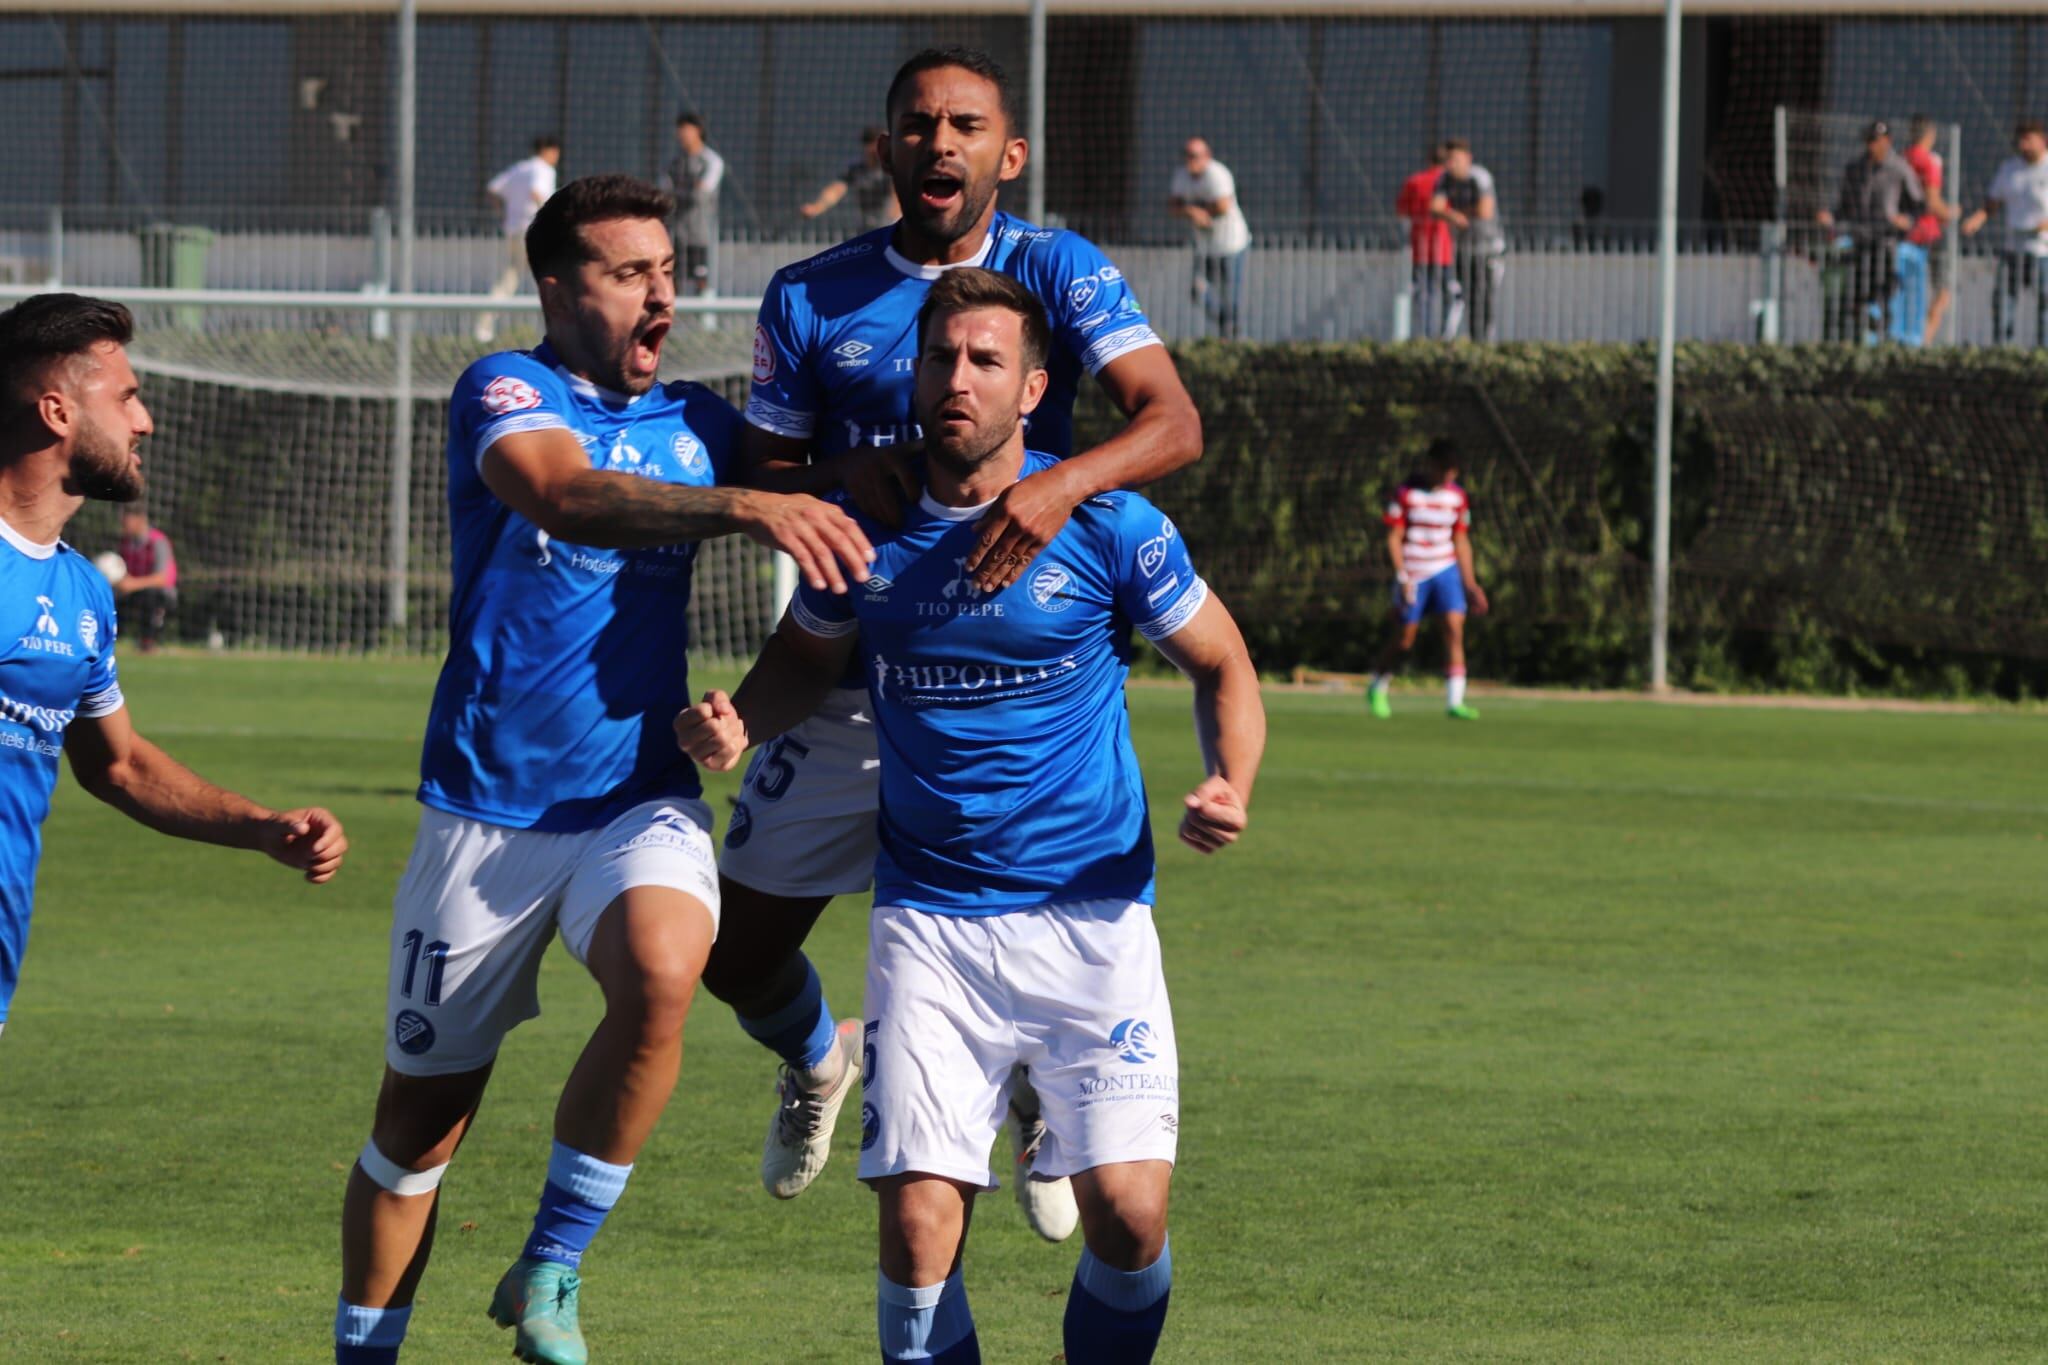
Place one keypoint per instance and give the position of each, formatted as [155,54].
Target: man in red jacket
[1429,248]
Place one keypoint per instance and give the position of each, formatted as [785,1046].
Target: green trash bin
[174,257]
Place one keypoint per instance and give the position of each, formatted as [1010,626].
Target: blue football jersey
[838,333]
[566,663]
[1008,776]
[56,664]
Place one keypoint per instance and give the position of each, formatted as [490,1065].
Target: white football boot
[1048,1204]
[800,1134]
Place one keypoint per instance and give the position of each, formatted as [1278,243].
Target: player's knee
[1125,1219]
[922,1221]
[420,1119]
[657,997]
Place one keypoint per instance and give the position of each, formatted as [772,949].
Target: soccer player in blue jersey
[1012,922]
[832,409]
[72,422]
[556,802]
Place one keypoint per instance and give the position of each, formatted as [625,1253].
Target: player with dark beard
[72,423]
[832,407]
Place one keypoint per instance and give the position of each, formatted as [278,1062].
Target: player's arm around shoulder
[1094,314]
[545,476]
[135,777]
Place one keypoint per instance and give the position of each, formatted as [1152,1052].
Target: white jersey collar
[33,549]
[931,272]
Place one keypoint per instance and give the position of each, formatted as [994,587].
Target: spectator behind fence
[874,198]
[694,174]
[1465,199]
[2020,192]
[1876,206]
[1205,193]
[1432,286]
[519,190]
[149,590]
[1924,294]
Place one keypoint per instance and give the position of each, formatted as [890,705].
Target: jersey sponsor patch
[507,394]
[764,355]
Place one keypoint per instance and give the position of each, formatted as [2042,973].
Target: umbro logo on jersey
[852,354]
[878,587]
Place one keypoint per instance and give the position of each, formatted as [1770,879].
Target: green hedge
[1844,520]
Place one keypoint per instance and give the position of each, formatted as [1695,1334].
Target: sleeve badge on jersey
[506,394]
[1082,292]
[764,356]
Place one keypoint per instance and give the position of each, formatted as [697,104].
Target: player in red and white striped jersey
[1429,520]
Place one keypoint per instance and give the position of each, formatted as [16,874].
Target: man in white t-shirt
[2020,192]
[1205,193]
[1466,200]
[519,190]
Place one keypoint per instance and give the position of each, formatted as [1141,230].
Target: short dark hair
[689,119]
[46,330]
[554,240]
[1441,458]
[1917,127]
[967,59]
[546,142]
[968,286]
[1456,144]
[2029,125]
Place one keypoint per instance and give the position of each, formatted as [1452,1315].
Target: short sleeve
[1093,309]
[1223,184]
[501,395]
[784,399]
[823,612]
[1156,583]
[1464,510]
[1396,513]
[102,694]
[1482,180]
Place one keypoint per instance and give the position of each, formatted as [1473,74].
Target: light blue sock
[928,1324]
[1114,1317]
[801,1032]
[368,1336]
[579,1192]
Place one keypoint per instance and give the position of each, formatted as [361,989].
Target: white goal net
[298,523]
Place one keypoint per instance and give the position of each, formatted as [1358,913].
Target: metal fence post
[1034,122]
[1667,338]
[400,508]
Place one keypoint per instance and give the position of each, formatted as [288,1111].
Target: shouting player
[832,408]
[1429,523]
[555,799]
[71,425]
[1013,921]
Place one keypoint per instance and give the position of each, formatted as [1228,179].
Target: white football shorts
[1074,992]
[804,824]
[479,902]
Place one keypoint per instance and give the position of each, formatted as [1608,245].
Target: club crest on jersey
[89,629]
[1134,1042]
[1082,292]
[507,394]
[764,355]
[852,354]
[1048,587]
[689,452]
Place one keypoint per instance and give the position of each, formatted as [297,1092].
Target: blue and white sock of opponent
[368,1336]
[801,1032]
[580,1192]
[1114,1317]
[928,1324]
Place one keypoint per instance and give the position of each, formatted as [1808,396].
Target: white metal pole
[1952,240]
[1667,340]
[1034,120]
[1781,165]
[399,519]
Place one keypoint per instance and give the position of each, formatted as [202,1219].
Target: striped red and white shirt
[1431,517]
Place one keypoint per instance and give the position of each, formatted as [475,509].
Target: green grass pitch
[1590,1032]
